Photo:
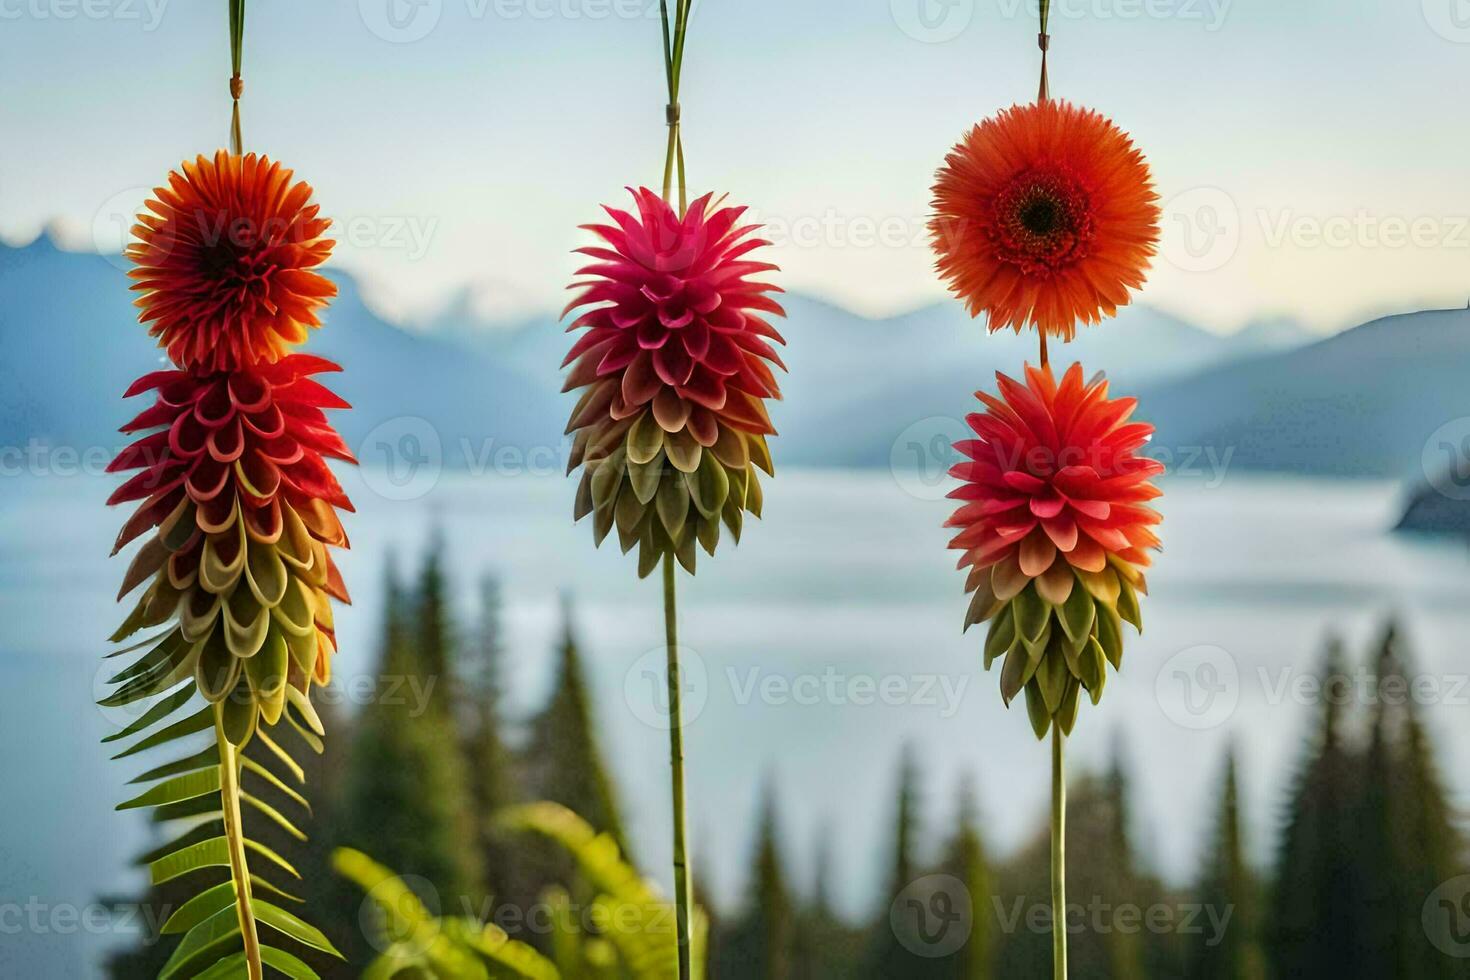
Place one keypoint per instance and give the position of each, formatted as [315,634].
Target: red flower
[676,364]
[1044,215]
[1056,529]
[224,262]
[233,476]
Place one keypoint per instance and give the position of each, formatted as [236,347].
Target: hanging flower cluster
[238,506]
[674,365]
[1055,529]
[1044,216]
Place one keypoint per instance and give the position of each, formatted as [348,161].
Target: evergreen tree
[1127,956]
[564,763]
[823,945]
[1227,884]
[487,757]
[1409,844]
[1314,911]
[965,859]
[433,626]
[759,946]
[890,958]
[405,797]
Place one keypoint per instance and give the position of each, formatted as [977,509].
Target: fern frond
[453,949]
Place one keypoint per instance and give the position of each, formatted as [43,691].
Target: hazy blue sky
[1311,151]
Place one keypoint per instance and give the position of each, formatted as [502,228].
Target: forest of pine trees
[1367,833]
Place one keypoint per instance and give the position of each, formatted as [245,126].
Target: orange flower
[224,262]
[1043,216]
[1056,530]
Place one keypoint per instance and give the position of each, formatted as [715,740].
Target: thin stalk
[1058,855]
[674,38]
[683,883]
[1044,40]
[229,791]
[237,47]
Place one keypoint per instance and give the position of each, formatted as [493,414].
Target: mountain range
[1362,402]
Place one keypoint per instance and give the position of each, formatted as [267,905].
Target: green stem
[229,792]
[237,46]
[1058,855]
[683,883]
[674,38]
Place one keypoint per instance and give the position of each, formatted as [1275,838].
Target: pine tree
[405,800]
[564,763]
[890,958]
[1125,948]
[1409,844]
[1227,885]
[487,757]
[1314,922]
[965,859]
[433,627]
[759,945]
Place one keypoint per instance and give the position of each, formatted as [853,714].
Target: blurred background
[1276,784]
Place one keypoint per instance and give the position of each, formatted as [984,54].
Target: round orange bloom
[1043,216]
[224,256]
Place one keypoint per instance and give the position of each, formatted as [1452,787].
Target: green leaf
[1001,637]
[645,440]
[160,658]
[212,853]
[186,787]
[160,710]
[1076,614]
[1067,713]
[206,757]
[1128,604]
[274,815]
[197,722]
[1110,635]
[708,486]
[1032,613]
[1036,710]
[1053,675]
[205,943]
[271,855]
[281,754]
[252,766]
[200,907]
[234,967]
[287,964]
[288,924]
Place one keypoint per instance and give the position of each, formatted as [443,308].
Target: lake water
[817,648]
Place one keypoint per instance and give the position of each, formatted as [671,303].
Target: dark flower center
[1042,222]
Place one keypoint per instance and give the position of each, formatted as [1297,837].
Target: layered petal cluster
[1055,528]
[1044,216]
[224,258]
[674,366]
[239,510]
